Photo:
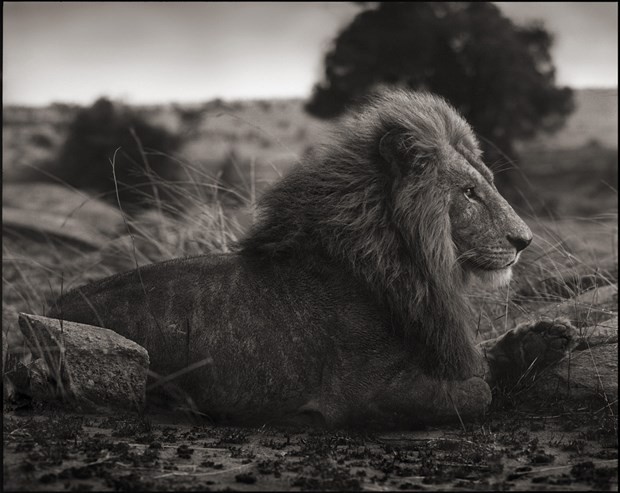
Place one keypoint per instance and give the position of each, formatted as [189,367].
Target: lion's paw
[532,347]
[546,341]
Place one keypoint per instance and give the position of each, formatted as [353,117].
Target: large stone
[52,224]
[589,309]
[65,202]
[568,281]
[60,212]
[603,333]
[591,371]
[88,365]
[587,375]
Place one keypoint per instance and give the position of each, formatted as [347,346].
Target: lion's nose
[519,242]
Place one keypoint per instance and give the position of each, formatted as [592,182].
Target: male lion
[347,300]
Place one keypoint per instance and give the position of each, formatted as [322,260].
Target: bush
[41,140]
[143,161]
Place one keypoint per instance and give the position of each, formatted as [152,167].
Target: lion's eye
[470,193]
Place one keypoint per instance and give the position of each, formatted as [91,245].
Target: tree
[499,75]
[142,163]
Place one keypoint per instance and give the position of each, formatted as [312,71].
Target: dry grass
[37,268]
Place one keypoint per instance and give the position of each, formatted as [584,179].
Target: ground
[57,450]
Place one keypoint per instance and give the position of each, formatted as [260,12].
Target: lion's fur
[389,227]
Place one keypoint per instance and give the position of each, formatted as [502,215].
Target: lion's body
[347,299]
[263,340]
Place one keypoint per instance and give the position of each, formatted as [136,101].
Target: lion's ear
[394,152]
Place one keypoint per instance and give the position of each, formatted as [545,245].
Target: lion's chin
[494,278]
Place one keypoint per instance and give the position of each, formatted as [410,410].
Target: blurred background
[142,131]
[240,91]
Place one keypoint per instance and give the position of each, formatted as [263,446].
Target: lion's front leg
[414,398]
[525,351]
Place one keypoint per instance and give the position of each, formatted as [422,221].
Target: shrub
[142,163]
[41,140]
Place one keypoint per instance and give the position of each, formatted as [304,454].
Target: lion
[346,302]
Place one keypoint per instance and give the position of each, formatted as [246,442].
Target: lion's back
[200,290]
[241,320]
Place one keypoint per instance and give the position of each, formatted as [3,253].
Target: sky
[196,51]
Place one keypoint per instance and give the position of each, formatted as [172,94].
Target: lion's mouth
[494,271]
[491,265]
[514,260]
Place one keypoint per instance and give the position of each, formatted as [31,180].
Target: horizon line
[242,99]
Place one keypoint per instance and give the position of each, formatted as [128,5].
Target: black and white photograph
[310,246]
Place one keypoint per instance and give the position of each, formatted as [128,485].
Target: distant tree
[499,75]
[191,119]
[142,165]
[42,140]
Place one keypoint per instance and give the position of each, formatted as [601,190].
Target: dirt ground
[55,450]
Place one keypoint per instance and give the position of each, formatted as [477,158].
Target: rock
[601,296]
[570,280]
[586,375]
[586,310]
[88,365]
[59,212]
[603,333]
[66,202]
[52,225]
[591,371]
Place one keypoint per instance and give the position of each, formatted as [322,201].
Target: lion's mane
[348,203]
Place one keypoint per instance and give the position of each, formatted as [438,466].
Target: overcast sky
[191,52]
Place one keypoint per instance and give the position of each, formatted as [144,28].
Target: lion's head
[401,198]
[442,180]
